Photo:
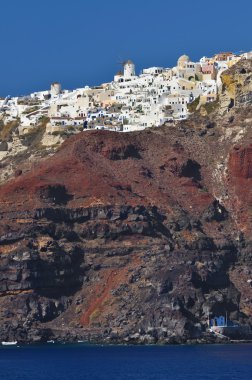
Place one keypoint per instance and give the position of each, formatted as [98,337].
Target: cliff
[132,237]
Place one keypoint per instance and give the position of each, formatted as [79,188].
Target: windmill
[122,63]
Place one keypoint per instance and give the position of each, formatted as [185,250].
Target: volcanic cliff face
[131,237]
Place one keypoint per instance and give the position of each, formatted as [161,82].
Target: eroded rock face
[55,193]
[236,86]
[111,271]
[240,162]
[131,237]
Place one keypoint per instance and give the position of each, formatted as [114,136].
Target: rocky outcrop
[236,86]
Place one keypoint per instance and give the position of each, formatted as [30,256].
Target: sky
[82,42]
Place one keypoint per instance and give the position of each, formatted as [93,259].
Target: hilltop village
[130,102]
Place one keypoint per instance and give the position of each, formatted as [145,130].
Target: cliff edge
[133,237]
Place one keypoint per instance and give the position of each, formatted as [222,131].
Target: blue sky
[79,42]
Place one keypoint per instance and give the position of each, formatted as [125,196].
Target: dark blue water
[66,362]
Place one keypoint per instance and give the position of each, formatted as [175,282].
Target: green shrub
[193,106]
[211,106]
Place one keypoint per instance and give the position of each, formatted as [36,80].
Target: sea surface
[74,362]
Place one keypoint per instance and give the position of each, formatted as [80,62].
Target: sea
[93,362]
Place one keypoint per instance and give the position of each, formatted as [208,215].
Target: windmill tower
[128,69]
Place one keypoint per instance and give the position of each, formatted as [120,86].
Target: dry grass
[7,129]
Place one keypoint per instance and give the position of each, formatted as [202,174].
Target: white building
[130,101]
